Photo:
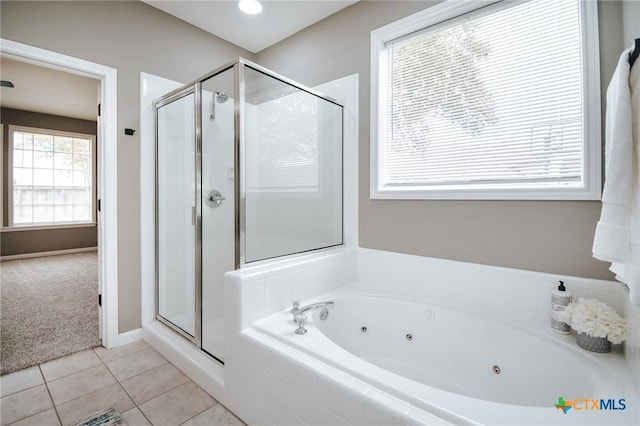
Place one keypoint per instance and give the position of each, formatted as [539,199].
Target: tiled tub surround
[270,382]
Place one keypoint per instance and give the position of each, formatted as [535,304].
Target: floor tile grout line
[159,395]
[143,414]
[227,410]
[97,390]
[132,353]
[100,358]
[168,390]
[25,418]
[46,384]
[142,372]
[88,393]
[119,382]
[189,380]
[93,349]
[208,408]
[124,356]
[66,375]
[175,387]
[135,404]
[30,387]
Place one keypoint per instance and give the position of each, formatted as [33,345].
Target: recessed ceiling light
[250,7]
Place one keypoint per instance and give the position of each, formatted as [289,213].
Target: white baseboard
[129,336]
[48,253]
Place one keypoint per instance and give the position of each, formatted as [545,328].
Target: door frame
[107,171]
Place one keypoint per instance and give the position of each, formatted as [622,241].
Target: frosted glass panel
[293,169]
[176,201]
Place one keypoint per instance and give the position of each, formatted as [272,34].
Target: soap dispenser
[560,298]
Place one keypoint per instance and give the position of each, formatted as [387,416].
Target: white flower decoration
[596,319]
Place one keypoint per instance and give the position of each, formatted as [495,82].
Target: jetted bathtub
[461,367]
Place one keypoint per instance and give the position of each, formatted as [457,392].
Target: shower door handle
[214,198]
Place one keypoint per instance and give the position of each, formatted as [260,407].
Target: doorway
[106,176]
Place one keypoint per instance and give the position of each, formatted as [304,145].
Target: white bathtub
[458,366]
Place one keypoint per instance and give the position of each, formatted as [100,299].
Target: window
[52,177]
[293,139]
[284,141]
[477,101]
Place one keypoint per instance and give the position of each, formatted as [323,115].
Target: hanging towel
[617,237]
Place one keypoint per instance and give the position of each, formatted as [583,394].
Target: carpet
[48,308]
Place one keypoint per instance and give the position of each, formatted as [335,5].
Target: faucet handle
[296,305]
[301,320]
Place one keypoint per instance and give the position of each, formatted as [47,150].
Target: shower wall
[218,221]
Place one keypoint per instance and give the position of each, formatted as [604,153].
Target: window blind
[285,144]
[494,101]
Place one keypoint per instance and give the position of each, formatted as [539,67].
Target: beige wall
[22,242]
[631,21]
[545,236]
[131,37]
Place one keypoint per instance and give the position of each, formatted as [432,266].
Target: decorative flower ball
[595,318]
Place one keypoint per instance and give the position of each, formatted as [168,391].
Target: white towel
[617,236]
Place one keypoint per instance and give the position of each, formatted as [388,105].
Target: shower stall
[249,168]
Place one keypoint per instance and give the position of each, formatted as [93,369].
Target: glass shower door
[176,218]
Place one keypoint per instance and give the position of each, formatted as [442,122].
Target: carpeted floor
[48,308]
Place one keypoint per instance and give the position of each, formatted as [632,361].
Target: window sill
[47,227]
[521,194]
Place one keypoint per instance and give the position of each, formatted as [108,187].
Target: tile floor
[145,387]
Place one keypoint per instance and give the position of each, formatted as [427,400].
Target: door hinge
[99,300]
[99,205]
[99,110]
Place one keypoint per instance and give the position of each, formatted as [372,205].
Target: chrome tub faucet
[299,313]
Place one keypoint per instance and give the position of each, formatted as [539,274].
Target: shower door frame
[195,87]
[197,215]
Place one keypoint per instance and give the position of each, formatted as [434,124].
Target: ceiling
[278,20]
[48,91]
